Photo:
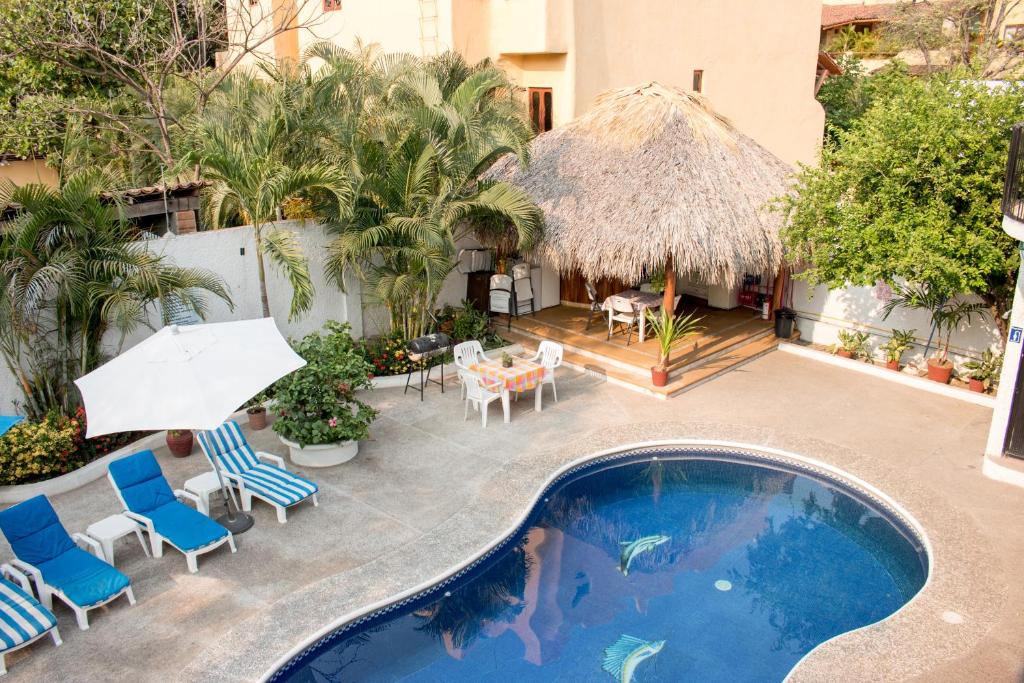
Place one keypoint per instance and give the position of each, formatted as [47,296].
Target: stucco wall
[23,171]
[219,250]
[822,313]
[758,60]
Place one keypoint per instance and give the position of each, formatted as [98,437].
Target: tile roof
[834,16]
[171,188]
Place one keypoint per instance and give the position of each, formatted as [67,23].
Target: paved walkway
[429,490]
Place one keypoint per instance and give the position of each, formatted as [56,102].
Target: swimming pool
[660,564]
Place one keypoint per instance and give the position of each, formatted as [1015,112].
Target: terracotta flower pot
[179,442]
[659,376]
[843,353]
[976,385]
[257,418]
[939,371]
[893,365]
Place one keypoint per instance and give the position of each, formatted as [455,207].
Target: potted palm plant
[319,418]
[257,412]
[947,313]
[899,342]
[982,371]
[852,344]
[668,329]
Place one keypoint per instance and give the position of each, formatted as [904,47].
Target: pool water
[686,567]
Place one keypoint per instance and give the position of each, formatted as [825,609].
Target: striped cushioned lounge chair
[23,619]
[227,448]
[148,499]
[44,550]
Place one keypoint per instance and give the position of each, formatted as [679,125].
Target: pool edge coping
[851,480]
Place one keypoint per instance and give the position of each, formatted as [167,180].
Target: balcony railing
[1013,189]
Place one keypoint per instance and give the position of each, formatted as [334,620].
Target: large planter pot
[843,353]
[976,385]
[257,419]
[893,365]
[939,371]
[659,376]
[321,455]
[179,443]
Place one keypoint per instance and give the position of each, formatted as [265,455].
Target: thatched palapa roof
[647,171]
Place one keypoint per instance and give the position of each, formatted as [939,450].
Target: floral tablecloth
[523,375]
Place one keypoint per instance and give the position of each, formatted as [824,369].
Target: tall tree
[418,146]
[246,141]
[72,268]
[912,192]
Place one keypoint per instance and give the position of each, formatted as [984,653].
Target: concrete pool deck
[429,491]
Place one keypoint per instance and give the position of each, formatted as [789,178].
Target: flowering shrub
[34,451]
[316,404]
[387,355]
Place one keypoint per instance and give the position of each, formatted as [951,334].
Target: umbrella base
[238,523]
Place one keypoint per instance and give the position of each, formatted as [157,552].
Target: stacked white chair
[523,288]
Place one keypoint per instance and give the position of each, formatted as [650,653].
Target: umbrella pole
[235,521]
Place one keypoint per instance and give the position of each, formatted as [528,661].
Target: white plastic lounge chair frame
[13,575]
[156,541]
[46,591]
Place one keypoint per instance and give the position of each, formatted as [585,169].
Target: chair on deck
[148,499]
[625,312]
[501,297]
[46,552]
[23,620]
[595,305]
[522,288]
[227,448]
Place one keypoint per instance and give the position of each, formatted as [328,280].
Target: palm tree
[423,134]
[249,143]
[72,268]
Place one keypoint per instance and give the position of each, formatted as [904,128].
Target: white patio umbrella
[188,377]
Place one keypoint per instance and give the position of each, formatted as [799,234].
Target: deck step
[639,379]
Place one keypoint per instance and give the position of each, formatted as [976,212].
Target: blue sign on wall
[1015,335]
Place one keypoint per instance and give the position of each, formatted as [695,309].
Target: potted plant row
[852,344]
[899,342]
[668,329]
[319,418]
[983,371]
[257,412]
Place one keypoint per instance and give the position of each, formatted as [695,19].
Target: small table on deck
[522,376]
[111,528]
[641,300]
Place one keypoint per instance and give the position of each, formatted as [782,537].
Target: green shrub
[316,403]
[35,451]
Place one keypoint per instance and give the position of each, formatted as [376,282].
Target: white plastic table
[203,485]
[111,528]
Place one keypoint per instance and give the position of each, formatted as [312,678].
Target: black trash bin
[784,318]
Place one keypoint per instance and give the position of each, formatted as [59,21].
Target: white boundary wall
[221,252]
[821,313]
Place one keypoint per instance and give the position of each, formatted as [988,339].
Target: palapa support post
[669,300]
[777,289]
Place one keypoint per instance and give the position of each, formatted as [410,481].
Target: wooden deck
[729,338]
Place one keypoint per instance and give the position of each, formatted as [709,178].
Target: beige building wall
[758,57]
[25,171]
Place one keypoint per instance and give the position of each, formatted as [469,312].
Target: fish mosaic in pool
[681,568]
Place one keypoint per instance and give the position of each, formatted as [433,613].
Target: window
[1013,33]
[540,108]
[332,5]
[698,80]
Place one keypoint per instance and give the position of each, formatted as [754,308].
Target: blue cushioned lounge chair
[23,620]
[57,566]
[148,499]
[240,465]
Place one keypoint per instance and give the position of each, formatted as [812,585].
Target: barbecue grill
[421,351]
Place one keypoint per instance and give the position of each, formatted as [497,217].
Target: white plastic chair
[466,354]
[623,311]
[549,355]
[481,393]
